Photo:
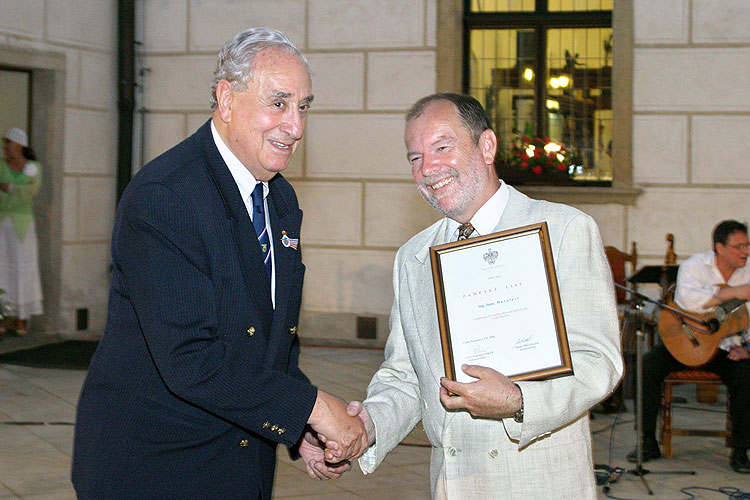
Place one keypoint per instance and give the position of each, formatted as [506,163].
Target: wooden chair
[617,260]
[701,379]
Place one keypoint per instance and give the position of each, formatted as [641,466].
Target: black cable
[731,492]
[605,474]
[610,426]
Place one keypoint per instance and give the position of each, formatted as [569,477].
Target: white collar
[487,217]
[242,177]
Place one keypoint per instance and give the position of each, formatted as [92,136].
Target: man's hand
[492,396]
[357,409]
[331,421]
[353,409]
[738,352]
[312,450]
[726,292]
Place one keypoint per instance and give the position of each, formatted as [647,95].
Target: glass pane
[579,98]
[579,5]
[502,73]
[502,5]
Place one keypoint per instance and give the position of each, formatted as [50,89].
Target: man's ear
[488,146]
[224,97]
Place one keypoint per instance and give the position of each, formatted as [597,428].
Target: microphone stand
[636,303]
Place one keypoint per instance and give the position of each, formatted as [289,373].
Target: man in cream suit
[490,438]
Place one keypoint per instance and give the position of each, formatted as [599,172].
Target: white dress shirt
[246,183]
[486,218]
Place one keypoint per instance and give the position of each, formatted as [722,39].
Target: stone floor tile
[63,493]
[5,493]
[400,493]
[320,496]
[35,459]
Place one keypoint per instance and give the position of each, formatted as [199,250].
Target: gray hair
[236,57]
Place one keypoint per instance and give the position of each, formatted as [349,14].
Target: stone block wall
[370,61]
[691,119]
[70,47]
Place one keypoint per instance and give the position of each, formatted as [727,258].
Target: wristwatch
[518,417]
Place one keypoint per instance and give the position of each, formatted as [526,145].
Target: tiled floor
[37,409]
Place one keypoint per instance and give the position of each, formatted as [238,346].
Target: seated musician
[705,281]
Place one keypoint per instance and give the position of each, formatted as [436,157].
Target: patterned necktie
[259,222]
[465,230]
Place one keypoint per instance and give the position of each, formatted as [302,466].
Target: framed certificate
[498,305]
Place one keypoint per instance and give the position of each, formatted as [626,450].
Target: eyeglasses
[740,246]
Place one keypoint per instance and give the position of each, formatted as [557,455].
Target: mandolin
[692,338]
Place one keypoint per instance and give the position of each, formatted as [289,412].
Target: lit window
[543,71]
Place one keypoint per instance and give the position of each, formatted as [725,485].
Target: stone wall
[70,46]
[370,61]
[691,121]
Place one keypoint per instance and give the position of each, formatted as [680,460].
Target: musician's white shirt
[698,279]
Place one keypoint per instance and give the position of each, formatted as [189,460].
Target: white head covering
[17,135]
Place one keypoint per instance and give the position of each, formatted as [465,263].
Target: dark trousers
[658,363]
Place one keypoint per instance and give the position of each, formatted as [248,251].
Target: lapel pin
[289,242]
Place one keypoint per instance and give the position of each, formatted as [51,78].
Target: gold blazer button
[244,443]
[266,425]
[251,331]
[293,330]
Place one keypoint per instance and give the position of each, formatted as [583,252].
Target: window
[543,69]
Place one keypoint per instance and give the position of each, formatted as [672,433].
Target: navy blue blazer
[196,379]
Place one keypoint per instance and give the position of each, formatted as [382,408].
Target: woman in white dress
[20,178]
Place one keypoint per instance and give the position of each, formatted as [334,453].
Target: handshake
[337,433]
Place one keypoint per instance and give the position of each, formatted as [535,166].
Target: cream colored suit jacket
[549,455]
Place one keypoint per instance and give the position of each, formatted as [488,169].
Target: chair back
[617,260]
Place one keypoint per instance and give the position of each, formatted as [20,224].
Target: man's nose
[294,124]
[429,165]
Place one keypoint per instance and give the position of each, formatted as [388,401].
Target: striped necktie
[465,230]
[259,222]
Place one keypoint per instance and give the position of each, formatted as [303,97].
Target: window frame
[452,33]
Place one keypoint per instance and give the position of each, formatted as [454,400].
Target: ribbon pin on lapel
[289,242]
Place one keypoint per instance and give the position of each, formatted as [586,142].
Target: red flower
[529,153]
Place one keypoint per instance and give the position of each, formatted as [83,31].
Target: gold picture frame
[498,305]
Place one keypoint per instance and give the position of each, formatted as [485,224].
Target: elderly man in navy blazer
[196,379]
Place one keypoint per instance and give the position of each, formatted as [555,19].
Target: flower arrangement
[538,155]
